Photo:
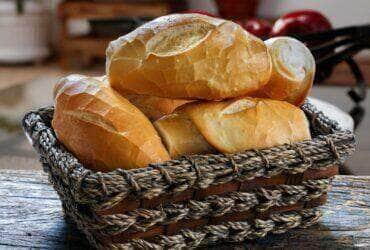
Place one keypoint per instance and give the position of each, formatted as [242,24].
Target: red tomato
[300,22]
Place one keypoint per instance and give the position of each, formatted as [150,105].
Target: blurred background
[40,41]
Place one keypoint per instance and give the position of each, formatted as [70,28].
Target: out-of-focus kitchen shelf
[84,49]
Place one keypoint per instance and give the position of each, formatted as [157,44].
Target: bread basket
[198,200]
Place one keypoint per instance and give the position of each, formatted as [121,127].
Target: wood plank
[31,214]
[31,217]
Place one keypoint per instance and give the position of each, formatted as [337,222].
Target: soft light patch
[238,106]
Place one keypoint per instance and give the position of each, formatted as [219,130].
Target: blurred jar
[25,33]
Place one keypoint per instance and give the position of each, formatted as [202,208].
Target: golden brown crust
[292,72]
[181,136]
[155,107]
[233,126]
[104,130]
[188,56]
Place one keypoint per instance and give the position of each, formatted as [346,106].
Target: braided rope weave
[226,232]
[212,206]
[187,239]
[207,235]
[105,190]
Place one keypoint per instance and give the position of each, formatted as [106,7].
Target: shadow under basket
[197,200]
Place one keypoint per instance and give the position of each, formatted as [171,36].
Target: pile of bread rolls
[185,84]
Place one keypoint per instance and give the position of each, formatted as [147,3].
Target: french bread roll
[103,129]
[293,71]
[232,126]
[188,56]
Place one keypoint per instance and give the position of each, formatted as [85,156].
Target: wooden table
[31,217]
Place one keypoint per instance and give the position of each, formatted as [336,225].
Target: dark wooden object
[87,48]
[31,217]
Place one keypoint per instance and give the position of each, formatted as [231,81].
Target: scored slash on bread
[155,107]
[188,56]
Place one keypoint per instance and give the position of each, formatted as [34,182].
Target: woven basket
[197,200]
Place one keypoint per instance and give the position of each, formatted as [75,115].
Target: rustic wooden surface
[31,217]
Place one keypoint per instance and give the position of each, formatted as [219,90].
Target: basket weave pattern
[214,206]
[86,194]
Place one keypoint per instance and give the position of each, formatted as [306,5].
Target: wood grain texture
[31,214]
[31,217]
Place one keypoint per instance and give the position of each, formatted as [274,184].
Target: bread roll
[293,71]
[232,126]
[188,56]
[155,107]
[181,136]
[104,130]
